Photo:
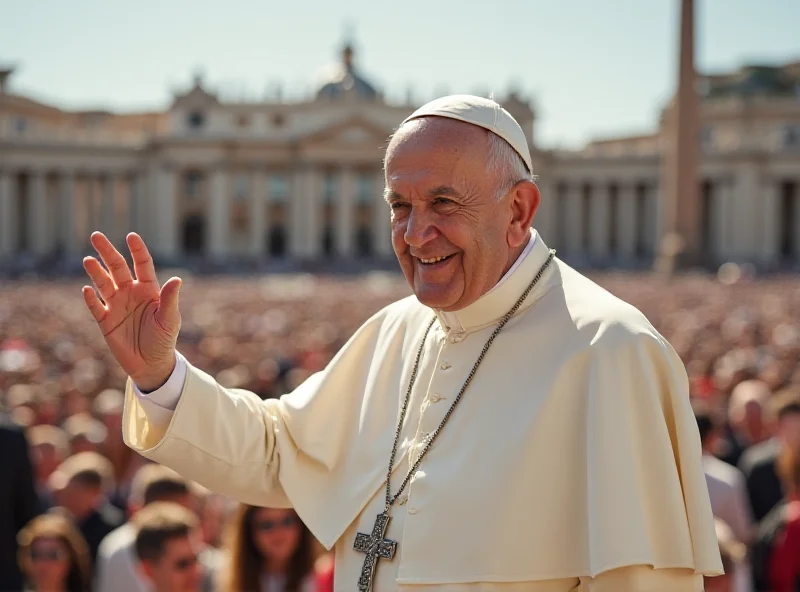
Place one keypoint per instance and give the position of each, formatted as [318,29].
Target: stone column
[9,236]
[165,214]
[219,214]
[66,195]
[770,229]
[747,210]
[108,222]
[382,219]
[626,203]
[345,213]
[599,217]
[304,213]
[258,214]
[574,221]
[37,214]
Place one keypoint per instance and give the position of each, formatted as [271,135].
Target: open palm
[139,321]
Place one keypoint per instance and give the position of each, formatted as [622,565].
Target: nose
[418,229]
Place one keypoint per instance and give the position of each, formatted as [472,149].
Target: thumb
[167,314]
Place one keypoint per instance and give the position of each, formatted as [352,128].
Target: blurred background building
[213,181]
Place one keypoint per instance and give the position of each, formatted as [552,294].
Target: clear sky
[594,68]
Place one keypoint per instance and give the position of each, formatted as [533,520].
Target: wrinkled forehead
[435,150]
[437,134]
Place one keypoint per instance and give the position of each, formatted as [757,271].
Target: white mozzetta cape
[573,452]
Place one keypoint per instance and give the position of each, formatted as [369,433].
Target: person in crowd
[776,553]
[117,569]
[167,547]
[733,553]
[54,556]
[49,448]
[747,424]
[268,550]
[80,485]
[85,433]
[758,464]
[107,406]
[18,500]
[726,484]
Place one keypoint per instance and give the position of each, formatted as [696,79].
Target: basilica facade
[216,181]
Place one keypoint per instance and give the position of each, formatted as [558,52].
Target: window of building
[278,120]
[364,191]
[196,120]
[241,186]
[329,187]
[791,136]
[243,120]
[193,184]
[707,137]
[278,188]
[20,125]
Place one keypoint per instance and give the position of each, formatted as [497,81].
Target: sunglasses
[47,554]
[270,525]
[185,563]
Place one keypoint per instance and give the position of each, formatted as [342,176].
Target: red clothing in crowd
[784,561]
[325,578]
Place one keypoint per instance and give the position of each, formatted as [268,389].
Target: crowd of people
[97,516]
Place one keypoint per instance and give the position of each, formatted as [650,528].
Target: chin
[438,298]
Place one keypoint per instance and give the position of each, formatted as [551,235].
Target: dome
[343,81]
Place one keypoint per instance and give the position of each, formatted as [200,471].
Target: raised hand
[139,322]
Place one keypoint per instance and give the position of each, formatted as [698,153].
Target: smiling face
[453,237]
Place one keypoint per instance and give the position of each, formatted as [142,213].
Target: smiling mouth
[434,260]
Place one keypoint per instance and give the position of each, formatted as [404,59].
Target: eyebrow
[441,190]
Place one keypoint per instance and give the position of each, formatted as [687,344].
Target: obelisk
[679,245]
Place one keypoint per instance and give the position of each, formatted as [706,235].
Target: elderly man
[512,426]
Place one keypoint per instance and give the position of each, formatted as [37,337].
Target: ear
[525,199]
[145,569]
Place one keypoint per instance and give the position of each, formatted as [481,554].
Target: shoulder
[758,458]
[117,542]
[722,472]
[597,318]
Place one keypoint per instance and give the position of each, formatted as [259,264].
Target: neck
[274,567]
[51,587]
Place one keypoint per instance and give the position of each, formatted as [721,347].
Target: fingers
[95,306]
[101,278]
[142,261]
[114,261]
[168,315]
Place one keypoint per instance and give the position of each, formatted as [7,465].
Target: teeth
[434,260]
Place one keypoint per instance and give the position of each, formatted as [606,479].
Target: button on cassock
[445,366]
[436,397]
[456,337]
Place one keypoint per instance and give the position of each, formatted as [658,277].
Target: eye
[397,205]
[443,201]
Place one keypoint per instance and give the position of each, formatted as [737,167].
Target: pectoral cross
[376,547]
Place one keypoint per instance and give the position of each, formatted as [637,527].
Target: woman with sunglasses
[268,550]
[54,556]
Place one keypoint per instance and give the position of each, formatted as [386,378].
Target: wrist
[153,381]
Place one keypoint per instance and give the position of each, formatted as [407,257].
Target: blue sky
[593,68]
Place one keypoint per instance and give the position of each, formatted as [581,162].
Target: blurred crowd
[97,516]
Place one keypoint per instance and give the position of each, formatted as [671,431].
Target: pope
[511,426]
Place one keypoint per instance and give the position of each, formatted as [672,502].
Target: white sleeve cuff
[166,397]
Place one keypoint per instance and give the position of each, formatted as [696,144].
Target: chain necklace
[375,545]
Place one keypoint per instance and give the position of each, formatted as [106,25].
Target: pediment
[352,132]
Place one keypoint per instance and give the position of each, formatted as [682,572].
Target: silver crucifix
[376,547]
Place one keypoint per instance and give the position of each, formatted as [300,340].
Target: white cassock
[572,462]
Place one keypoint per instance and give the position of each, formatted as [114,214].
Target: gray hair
[507,166]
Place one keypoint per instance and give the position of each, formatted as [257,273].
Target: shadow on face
[276,534]
[178,568]
[50,563]
[454,230]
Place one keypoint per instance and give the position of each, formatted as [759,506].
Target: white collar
[451,319]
